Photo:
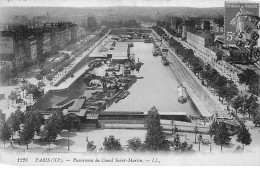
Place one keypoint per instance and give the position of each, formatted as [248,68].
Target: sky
[106,3]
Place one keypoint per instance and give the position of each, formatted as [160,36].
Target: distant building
[46,42]
[199,38]
[202,41]
[26,41]
[147,24]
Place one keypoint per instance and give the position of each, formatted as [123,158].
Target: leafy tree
[91,147]
[37,120]
[155,139]
[27,133]
[53,127]
[2,117]
[231,92]
[248,76]
[222,135]
[6,73]
[14,72]
[243,136]
[196,131]
[200,139]
[41,84]
[24,87]
[238,102]
[27,63]
[39,77]
[5,131]
[134,144]
[112,144]
[15,119]
[220,84]
[219,56]
[177,142]
[49,77]
[251,105]
[34,90]
[185,147]
[212,131]
[13,96]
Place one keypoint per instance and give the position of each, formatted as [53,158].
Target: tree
[37,120]
[49,77]
[238,102]
[27,133]
[243,136]
[134,144]
[112,144]
[177,142]
[5,131]
[220,83]
[26,64]
[231,92]
[53,126]
[219,56]
[13,96]
[200,139]
[155,139]
[14,72]
[2,117]
[185,147]
[6,72]
[251,105]
[196,131]
[91,147]
[24,87]
[34,90]
[248,76]
[39,77]
[222,135]
[15,119]
[212,131]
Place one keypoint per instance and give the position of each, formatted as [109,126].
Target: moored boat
[182,94]
[165,61]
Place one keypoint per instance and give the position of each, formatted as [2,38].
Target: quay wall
[80,64]
[202,98]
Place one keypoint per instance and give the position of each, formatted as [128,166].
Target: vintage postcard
[120,82]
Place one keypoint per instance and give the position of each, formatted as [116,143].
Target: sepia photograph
[129,83]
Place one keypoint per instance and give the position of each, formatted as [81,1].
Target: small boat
[155,53]
[165,61]
[182,94]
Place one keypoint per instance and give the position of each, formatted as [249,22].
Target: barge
[182,94]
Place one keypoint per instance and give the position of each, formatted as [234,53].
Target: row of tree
[222,135]
[31,124]
[155,139]
[225,88]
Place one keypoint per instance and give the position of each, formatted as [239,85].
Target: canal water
[157,88]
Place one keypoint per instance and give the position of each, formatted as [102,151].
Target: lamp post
[68,134]
[68,140]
